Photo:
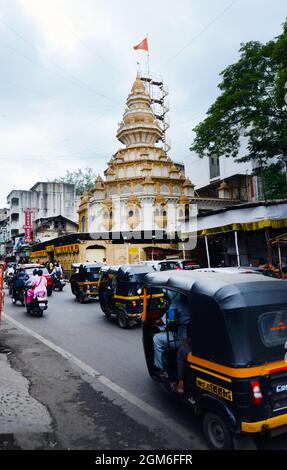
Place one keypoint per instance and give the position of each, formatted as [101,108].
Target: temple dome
[139,125]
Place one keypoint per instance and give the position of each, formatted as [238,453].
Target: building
[47,228]
[44,199]
[143,188]
[222,177]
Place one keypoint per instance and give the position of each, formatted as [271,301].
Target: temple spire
[139,125]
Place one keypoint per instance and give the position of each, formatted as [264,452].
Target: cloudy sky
[67,67]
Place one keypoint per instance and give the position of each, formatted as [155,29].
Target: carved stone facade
[143,189]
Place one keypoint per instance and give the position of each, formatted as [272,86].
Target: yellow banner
[67,249]
[38,254]
[133,250]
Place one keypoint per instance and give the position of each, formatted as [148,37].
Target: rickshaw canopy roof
[229,291]
[90,265]
[134,272]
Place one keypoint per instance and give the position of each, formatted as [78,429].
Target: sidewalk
[46,403]
[20,414]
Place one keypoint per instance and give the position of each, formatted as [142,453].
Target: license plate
[42,304]
[281,388]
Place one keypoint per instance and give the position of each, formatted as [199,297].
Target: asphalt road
[117,355]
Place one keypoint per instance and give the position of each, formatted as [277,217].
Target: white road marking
[123,393]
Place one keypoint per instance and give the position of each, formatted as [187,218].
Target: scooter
[59,283]
[37,306]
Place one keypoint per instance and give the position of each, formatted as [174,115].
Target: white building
[45,200]
[224,177]
[3,230]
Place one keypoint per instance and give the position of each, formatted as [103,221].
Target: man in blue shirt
[178,313]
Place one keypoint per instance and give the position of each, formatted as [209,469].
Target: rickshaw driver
[108,292]
[161,341]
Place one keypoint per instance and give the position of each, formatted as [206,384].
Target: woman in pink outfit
[40,285]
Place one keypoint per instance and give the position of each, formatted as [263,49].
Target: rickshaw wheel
[122,320]
[216,431]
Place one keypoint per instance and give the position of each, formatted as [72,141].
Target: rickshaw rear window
[273,328]
[168,266]
[189,264]
[94,273]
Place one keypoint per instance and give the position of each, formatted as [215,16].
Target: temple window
[125,189]
[164,189]
[113,190]
[130,171]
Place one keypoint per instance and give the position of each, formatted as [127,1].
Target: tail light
[257,396]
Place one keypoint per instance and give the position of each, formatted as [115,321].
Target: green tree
[252,104]
[84,180]
[274,182]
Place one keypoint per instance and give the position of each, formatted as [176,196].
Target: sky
[67,67]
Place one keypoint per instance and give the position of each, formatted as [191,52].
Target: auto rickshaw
[85,281]
[121,292]
[235,369]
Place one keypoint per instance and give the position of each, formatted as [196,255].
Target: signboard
[38,254]
[28,235]
[67,249]
[133,250]
[1,288]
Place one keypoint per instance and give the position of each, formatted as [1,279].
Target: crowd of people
[26,288]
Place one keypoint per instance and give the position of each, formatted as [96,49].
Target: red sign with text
[28,227]
[1,288]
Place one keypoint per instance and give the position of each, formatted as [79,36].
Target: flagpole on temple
[147,56]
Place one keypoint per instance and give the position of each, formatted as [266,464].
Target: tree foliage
[252,103]
[84,180]
[274,182]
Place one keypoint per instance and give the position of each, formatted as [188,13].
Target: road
[111,360]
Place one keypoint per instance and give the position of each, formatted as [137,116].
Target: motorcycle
[37,306]
[18,294]
[59,283]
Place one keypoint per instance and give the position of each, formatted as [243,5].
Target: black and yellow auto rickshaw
[85,281]
[235,367]
[121,292]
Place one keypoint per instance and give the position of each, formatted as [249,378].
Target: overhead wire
[64,75]
[202,31]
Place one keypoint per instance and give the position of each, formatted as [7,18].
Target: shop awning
[244,217]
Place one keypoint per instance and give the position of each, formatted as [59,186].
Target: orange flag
[142,45]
